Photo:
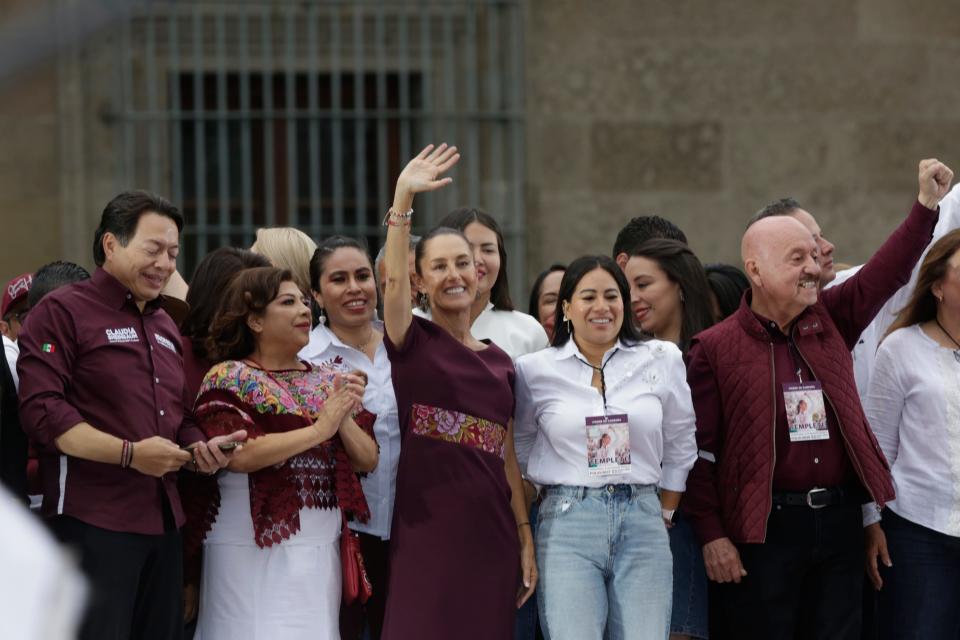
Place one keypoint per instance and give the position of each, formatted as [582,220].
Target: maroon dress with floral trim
[454,550]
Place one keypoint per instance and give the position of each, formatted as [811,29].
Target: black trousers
[356,617]
[805,582]
[136,581]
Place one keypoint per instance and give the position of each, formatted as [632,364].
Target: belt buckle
[810,498]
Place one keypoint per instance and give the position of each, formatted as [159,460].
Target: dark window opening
[227,131]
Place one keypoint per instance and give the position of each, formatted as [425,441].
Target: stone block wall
[704,111]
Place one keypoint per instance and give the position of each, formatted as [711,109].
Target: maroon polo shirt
[802,466]
[87,354]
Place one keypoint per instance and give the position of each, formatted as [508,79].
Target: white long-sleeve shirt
[325,349]
[913,406]
[647,381]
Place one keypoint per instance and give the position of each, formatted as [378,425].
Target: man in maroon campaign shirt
[786,454]
[102,392]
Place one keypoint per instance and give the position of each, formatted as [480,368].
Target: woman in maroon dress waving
[460,520]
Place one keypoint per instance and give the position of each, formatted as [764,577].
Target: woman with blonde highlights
[287,248]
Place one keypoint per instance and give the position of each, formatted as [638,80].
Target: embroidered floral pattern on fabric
[460,428]
[234,395]
[301,390]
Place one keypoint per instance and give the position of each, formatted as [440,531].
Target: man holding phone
[102,391]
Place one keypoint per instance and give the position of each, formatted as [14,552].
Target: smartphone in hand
[226,447]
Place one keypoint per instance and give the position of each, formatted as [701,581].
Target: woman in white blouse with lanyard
[349,338]
[605,423]
[913,405]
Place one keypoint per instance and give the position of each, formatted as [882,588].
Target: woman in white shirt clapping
[913,405]
[603,553]
[348,339]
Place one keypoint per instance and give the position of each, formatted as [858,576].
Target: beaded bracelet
[125,454]
[394,219]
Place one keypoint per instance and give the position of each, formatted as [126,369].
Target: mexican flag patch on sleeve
[48,347]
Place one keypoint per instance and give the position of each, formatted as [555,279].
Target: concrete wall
[703,111]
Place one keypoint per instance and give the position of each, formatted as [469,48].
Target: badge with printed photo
[806,414]
[608,445]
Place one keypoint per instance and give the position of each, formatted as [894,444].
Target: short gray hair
[414,239]
[781,207]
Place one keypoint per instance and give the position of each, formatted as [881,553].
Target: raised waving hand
[423,173]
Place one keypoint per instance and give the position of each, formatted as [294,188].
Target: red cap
[15,291]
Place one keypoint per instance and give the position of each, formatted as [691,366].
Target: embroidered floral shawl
[234,396]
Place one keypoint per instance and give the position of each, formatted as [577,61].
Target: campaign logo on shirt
[124,334]
[335,364]
[164,342]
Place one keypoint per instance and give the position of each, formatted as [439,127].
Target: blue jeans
[921,590]
[605,565]
[690,605]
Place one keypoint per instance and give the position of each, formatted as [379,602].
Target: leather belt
[816,498]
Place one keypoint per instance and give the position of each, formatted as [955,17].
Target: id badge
[608,445]
[806,414]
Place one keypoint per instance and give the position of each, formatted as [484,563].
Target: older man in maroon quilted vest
[786,454]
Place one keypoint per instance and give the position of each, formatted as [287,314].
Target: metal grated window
[253,114]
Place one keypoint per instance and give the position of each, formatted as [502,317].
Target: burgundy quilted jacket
[731,379]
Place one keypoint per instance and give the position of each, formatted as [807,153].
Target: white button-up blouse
[646,381]
[380,485]
[913,407]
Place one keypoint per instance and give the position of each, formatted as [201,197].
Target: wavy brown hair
[682,267]
[922,305]
[208,285]
[462,218]
[248,293]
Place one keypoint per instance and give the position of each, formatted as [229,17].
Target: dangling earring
[321,316]
[681,296]
[566,321]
